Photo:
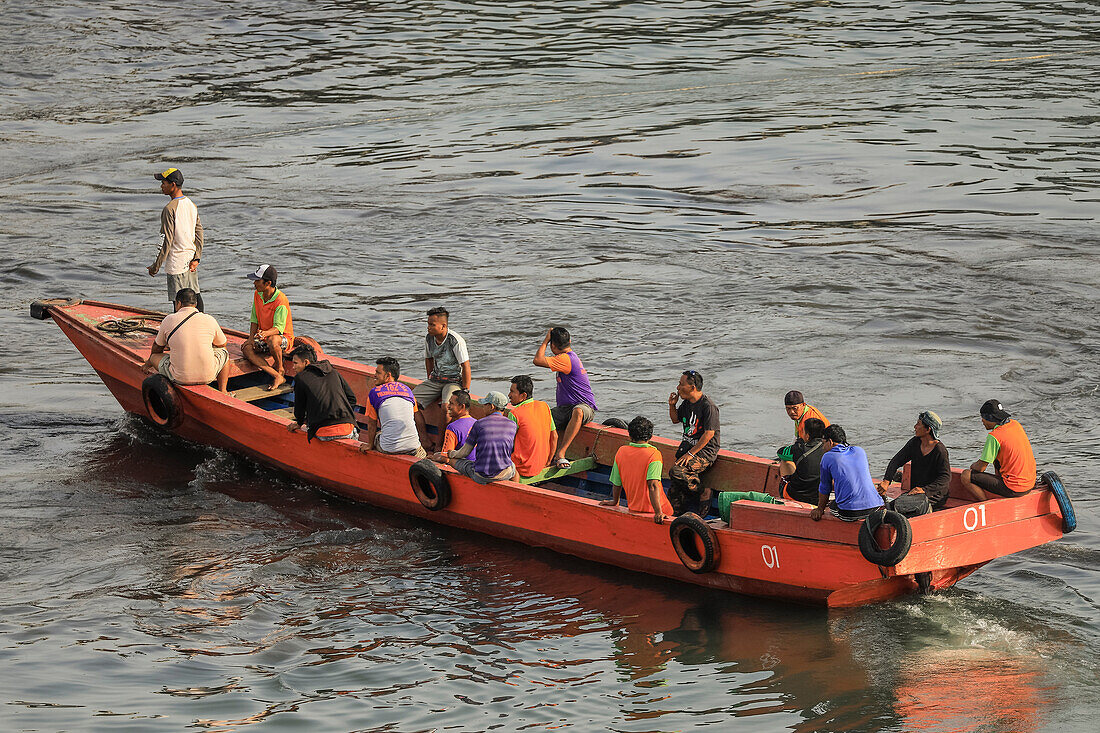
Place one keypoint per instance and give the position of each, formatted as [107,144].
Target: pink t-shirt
[192,346]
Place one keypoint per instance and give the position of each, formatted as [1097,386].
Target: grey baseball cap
[496,399]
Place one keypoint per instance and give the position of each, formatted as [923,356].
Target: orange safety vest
[1015,460]
[265,313]
[809,412]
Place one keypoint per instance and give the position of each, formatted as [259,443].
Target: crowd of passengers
[515,436]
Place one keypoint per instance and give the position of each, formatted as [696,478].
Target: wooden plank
[254,394]
[548,473]
[287,412]
[794,522]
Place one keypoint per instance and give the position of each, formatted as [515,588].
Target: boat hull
[767,550]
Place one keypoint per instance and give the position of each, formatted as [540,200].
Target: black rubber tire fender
[896,552]
[614,422]
[1056,487]
[40,309]
[688,533]
[430,485]
[162,402]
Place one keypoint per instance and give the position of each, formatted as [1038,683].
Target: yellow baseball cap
[172,175]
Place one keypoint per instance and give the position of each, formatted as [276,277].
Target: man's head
[521,389]
[559,339]
[794,403]
[303,355]
[814,428]
[993,414]
[458,405]
[437,322]
[928,423]
[690,386]
[494,401]
[186,297]
[387,370]
[833,436]
[265,279]
[171,181]
[640,430]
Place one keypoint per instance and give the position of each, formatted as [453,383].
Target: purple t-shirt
[460,428]
[573,387]
[495,437]
[845,472]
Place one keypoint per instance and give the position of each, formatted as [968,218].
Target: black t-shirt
[804,482]
[697,418]
[931,472]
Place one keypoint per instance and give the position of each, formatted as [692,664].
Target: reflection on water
[890,207]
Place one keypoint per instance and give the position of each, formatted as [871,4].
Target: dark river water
[889,206]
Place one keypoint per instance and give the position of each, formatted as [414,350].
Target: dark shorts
[263,347]
[851,515]
[685,486]
[993,484]
[562,414]
[466,468]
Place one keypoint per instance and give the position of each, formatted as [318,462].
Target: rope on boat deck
[127,325]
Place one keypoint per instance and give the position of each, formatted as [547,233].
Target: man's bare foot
[280,380]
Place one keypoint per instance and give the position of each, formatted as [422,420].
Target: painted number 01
[974,517]
[770,555]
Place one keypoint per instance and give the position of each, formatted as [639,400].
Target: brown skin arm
[818,511]
[655,492]
[429,365]
[616,494]
[707,436]
[150,367]
[672,400]
[372,430]
[540,355]
[466,376]
[978,466]
[553,446]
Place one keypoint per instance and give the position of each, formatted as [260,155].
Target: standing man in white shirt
[181,245]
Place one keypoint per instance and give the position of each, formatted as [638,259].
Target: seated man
[458,429]
[699,447]
[637,471]
[271,329]
[322,399]
[576,405]
[198,346]
[797,409]
[1009,450]
[493,435]
[391,427]
[847,475]
[447,366]
[931,467]
[536,434]
[803,472]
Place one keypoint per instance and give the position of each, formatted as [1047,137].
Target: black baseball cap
[264,272]
[993,412]
[172,175]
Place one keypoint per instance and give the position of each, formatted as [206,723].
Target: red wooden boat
[769,550]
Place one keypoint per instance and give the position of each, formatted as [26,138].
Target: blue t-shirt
[845,472]
[494,436]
